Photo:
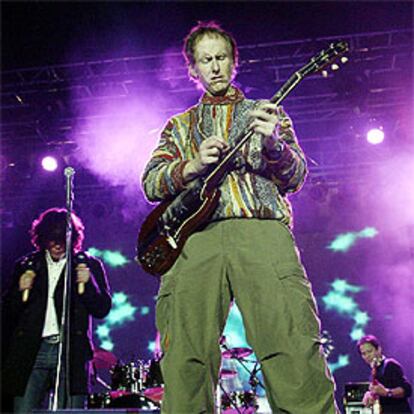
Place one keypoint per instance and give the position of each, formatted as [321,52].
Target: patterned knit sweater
[258,185]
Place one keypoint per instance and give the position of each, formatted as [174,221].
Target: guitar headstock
[375,363]
[324,58]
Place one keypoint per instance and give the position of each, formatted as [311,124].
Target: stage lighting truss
[374,79]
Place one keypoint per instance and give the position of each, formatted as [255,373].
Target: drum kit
[139,384]
[136,384]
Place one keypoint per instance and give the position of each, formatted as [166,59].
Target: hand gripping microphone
[28,265]
[81,258]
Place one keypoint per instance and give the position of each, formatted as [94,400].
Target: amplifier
[353,395]
[354,392]
[357,409]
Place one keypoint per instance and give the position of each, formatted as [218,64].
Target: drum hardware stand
[254,382]
[242,361]
[253,373]
[220,389]
[64,344]
[218,397]
[253,379]
[141,373]
[99,380]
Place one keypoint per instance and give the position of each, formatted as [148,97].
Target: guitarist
[389,385]
[245,253]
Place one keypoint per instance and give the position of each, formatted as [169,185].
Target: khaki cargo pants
[255,262]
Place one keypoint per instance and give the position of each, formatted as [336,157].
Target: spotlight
[375,136]
[49,163]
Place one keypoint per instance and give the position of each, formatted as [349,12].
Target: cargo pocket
[298,297]
[163,310]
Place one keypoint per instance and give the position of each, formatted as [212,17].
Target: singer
[32,308]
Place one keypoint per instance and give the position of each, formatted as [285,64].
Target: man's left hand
[264,118]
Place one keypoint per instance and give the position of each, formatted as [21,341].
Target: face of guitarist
[214,66]
[369,353]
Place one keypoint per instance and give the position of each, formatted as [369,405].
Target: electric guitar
[376,407]
[164,232]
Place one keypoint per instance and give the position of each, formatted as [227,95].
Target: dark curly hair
[210,28]
[51,226]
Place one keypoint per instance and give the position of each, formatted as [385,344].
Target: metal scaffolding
[42,105]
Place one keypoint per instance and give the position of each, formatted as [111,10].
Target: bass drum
[98,400]
[154,383]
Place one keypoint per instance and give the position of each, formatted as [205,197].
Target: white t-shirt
[54,270]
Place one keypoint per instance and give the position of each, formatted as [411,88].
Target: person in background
[245,253]
[32,308]
[390,385]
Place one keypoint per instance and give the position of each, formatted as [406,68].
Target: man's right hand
[210,152]
[26,280]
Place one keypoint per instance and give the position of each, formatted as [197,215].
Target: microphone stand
[242,361]
[64,344]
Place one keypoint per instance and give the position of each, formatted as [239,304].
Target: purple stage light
[49,163]
[375,136]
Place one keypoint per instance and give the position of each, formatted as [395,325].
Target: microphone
[28,265]
[81,258]
[69,171]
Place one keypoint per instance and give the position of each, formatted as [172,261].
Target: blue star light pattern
[340,299]
[344,241]
[342,361]
[111,258]
[121,313]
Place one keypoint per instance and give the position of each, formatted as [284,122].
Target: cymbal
[236,353]
[154,394]
[103,358]
[119,393]
[228,373]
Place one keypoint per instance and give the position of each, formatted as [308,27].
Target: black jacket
[23,323]
[391,375]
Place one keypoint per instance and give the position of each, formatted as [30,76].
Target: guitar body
[164,232]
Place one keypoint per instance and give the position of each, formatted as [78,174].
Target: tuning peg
[344,59]
[324,73]
[334,66]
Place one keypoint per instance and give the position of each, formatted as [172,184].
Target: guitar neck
[374,372]
[215,177]
[286,88]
